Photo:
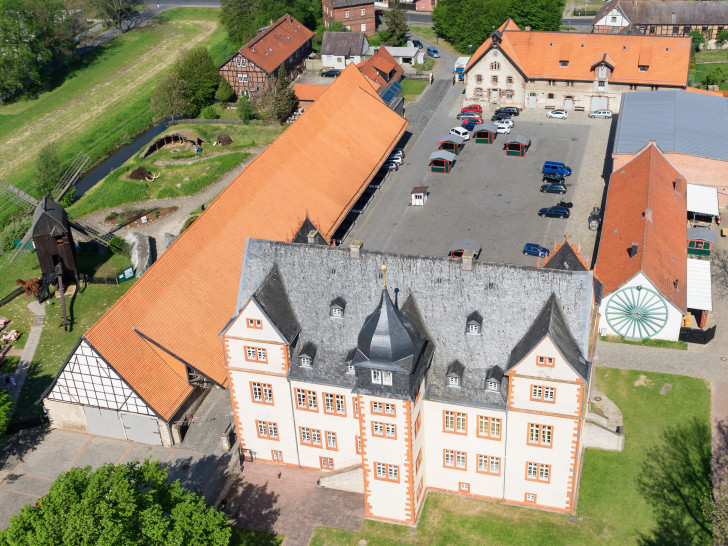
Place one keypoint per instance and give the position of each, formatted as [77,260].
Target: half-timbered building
[284,44]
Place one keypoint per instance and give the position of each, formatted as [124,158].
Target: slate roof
[650,12]
[55,213]
[346,44]
[438,297]
[643,207]
[349,3]
[278,42]
[186,297]
[550,322]
[680,121]
[538,55]
[271,296]
[566,258]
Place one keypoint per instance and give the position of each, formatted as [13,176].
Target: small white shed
[419,196]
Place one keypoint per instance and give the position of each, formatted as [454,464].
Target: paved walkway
[31,344]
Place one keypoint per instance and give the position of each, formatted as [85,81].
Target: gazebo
[516,145]
[441,161]
[452,143]
[484,133]
[701,241]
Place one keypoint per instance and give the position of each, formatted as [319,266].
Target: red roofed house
[383,72]
[642,257]
[549,70]
[308,93]
[148,362]
[284,43]
[356,15]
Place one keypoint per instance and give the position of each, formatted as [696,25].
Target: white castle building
[434,374]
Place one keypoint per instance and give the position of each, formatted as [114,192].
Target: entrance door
[494,95]
[532,100]
[103,422]
[141,428]
[599,103]
[568,103]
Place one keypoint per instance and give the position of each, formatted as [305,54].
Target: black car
[332,73]
[498,117]
[510,110]
[554,188]
[554,212]
[553,178]
[417,44]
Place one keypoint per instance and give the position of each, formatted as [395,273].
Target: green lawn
[647,342]
[609,510]
[429,34]
[712,55]
[701,69]
[411,89]
[102,100]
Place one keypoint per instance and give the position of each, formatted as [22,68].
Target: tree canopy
[470,22]
[242,18]
[197,69]
[396,22]
[49,164]
[170,99]
[114,10]
[6,406]
[125,504]
[284,99]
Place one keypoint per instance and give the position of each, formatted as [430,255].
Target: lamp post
[470,49]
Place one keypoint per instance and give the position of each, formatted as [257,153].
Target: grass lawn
[411,89]
[701,69]
[712,55]
[101,101]
[118,189]
[249,537]
[609,510]
[429,34]
[660,343]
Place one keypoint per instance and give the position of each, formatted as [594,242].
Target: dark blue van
[554,167]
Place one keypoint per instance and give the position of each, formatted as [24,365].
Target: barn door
[103,422]
[599,103]
[532,100]
[568,103]
[141,428]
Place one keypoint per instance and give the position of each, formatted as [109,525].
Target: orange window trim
[333,403]
[488,458]
[255,324]
[262,394]
[355,404]
[487,435]
[538,472]
[255,349]
[525,498]
[310,443]
[455,423]
[325,439]
[539,443]
[454,460]
[548,361]
[543,393]
[386,466]
[306,394]
[357,444]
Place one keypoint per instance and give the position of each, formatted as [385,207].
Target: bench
[4,349]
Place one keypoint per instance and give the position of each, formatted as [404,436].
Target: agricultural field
[101,101]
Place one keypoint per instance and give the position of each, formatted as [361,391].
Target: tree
[244,109]
[396,22]
[6,405]
[238,18]
[337,26]
[224,91]
[50,169]
[698,38]
[263,102]
[715,76]
[722,36]
[125,504]
[170,99]
[538,14]
[469,22]
[197,69]
[676,480]
[285,99]
[114,10]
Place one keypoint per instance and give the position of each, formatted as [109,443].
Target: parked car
[398,151]
[468,115]
[502,129]
[395,159]
[472,108]
[473,121]
[331,73]
[379,12]
[606,114]
[553,178]
[417,44]
[433,52]
[554,188]
[468,125]
[595,218]
[390,166]
[500,116]
[397,154]
[556,167]
[510,110]
[504,121]
[461,132]
[532,249]
[561,114]
[554,212]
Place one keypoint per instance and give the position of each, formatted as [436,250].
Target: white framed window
[461,422]
[329,403]
[305,435]
[239,62]
[311,395]
[377,407]
[530,497]
[453,381]
[473,328]
[377,428]
[250,353]
[262,429]
[376,377]
[449,457]
[494,465]
[257,392]
[460,459]
[389,409]
[549,394]
[390,430]
[300,398]
[464,486]
[544,472]
[305,361]
[267,393]
[346,14]
[363,26]
[362,12]
[331,440]
[350,369]
[539,435]
[381,471]
[337,312]
[392,472]
[491,385]
[536,392]
[316,437]
[532,471]
[272,430]
[489,427]
[262,357]
[340,404]
[387,378]
[449,421]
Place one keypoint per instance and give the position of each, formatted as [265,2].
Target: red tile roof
[644,207]
[187,296]
[381,62]
[539,54]
[279,41]
[309,92]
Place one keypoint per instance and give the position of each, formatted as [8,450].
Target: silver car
[606,114]
[561,114]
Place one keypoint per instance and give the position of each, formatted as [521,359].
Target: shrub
[224,91]
[188,223]
[209,112]
[69,197]
[245,109]
[119,246]
[50,169]
[14,230]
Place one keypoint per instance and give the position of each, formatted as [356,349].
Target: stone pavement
[288,501]
[31,343]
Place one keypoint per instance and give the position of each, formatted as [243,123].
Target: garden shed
[441,161]
[452,143]
[699,292]
[701,241]
[702,203]
[517,145]
[419,195]
[484,133]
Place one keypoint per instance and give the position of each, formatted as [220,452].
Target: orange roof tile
[705,91]
[279,41]
[309,92]
[381,62]
[539,54]
[187,296]
[645,184]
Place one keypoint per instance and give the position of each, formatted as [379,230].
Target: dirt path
[196,159]
[69,119]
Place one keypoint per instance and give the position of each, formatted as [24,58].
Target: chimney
[674,19]
[648,214]
[677,185]
[271,22]
[527,29]
[468,257]
[312,236]
[355,248]
[633,250]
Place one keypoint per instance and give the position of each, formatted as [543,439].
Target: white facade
[614,19]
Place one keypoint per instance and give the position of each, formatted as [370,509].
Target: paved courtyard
[488,196]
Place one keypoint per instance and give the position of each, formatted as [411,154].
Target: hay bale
[140,173]
[224,140]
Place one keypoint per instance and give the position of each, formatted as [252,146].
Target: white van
[461,132]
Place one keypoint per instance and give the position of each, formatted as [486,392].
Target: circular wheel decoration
[636,312]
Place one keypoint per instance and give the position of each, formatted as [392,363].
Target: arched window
[495,66]
[478,92]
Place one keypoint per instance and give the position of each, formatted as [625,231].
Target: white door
[532,100]
[568,103]
[363,27]
[494,95]
[103,422]
[599,103]
[141,428]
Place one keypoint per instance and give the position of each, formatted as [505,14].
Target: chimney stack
[312,236]
[648,214]
[355,248]
[677,185]
[468,257]
[527,29]
[633,250]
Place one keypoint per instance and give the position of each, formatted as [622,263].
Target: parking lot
[488,196]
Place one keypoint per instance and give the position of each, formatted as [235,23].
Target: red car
[379,12]
[476,121]
[473,108]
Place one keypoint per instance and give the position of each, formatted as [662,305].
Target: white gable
[87,380]
[615,18]
[260,329]
[545,361]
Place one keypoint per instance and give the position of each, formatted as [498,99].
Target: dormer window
[455,374]
[564,64]
[644,68]
[474,323]
[336,308]
[493,379]
[350,369]
[305,361]
[453,381]
[305,357]
[387,378]
[376,377]
[491,385]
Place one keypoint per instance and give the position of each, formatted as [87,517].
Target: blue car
[555,167]
[554,212]
[468,126]
[433,52]
[532,249]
